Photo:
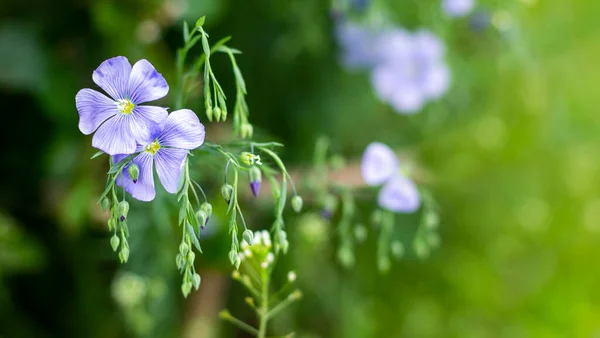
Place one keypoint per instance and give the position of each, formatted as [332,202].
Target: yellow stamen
[153,147]
[125,106]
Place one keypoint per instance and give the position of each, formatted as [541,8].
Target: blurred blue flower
[119,120]
[167,146]
[380,166]
[408,69]
[457,8]
[411,70]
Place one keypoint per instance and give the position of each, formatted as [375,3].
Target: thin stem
[201,190]
[264,307]
[241,325]
[241,216]
[281,306]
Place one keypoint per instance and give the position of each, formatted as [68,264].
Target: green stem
[241,325]
[264,307]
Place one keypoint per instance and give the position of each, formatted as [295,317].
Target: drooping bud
[191,257]
[227,192]
[124,255]
[209,113]
[114,242]
[248,236]
[217,113]
[123,209]
[207,208]
[112,224]
[196,281]
[134,172]
[246,130]
[105,203]
[183,248]
[255,179]
[186,287]
[233,257]
[297,203]
[202,219]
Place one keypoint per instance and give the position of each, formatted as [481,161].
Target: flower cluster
[143,135]
[381,166]
[407,68]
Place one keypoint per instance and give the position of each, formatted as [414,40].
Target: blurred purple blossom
[407,69]
[118,119]
[380,166]
[457,8]
[166,147]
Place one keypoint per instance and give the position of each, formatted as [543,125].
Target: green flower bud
[248,236]
[114,242]
[246,158]
[207,208]
[223,114]
[297,203]
[233,257]
[186,287]
[217,113]
[179,261]
[191,257]
[183,248]
[124,254]
[196,281]
[238,261]
[397,249]
[227,192]
[112,224]
[134,172]
[123,209]
[246,130]
[105,203]
[209,113]
[202,219]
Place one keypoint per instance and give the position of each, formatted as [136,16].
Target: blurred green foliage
[512,155]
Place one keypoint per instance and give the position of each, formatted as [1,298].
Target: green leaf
[186,31]
[275,158]
[205,45]
[182,212]
[191,218]
[106,190]
[282,196]
[192,236]
[97,154]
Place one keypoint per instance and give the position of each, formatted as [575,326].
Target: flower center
[125,106]
[153,147]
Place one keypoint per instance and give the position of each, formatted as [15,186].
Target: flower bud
[183,248]
[223,114]
[238,261]
[227,192]
[246,130]
[124,254]
[179,261]
[196,281]
[202,219]
[233,257]
[200,21]
[134,172]
[123,209]
[191,257]
[248,236]
[297,203]
[207,208]
[186,287]
[114,242]
[105,203]
[112,224]
[246,158]
[209,113]
[217,113]
[255,179]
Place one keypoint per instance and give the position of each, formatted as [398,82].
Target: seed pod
[227,192]
[123,209]
[134,172]
[114,242]
[297,203]
[248,236]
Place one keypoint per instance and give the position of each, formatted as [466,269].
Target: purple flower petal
[169,165]
[399,195]
[113,76]
[358,45]
[393,86]
[457,8]
[408,99]
[145,83]
[143,190]
[428,45]
[145,123]
[114,136]
[182,129]
[94,108]
[394,46]
[379,163]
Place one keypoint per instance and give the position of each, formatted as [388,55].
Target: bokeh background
[511,154]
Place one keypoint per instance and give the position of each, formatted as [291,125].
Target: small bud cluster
[117,223]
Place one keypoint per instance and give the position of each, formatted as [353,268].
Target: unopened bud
[246,130]
[207,208]
[227,192]
[123,209]
[134,172]
[233,257]
[202,219]
[179,261]
[255,179]
[209,113]
[225,315]
[124,254]
[191,257]
[105,203]
[114,242]
[183,248]
[217,113]
[186,287]
[248,236]
[297,203]
[196,281]
[112,223]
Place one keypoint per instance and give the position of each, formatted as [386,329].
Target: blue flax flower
[457,8]
[411,70]
[167,147]
[358,44]
[120,121]
[380,166]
